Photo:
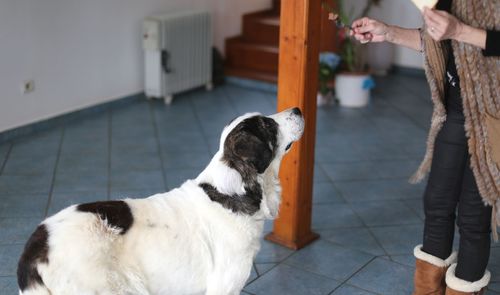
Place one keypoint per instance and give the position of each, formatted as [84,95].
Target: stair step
[262,27]
[251,74]
[254,56]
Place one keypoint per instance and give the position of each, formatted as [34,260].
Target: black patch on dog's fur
[36,251]
[247,204]
[116,213]
[249,149]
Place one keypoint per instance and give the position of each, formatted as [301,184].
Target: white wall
[401,13]
[84,52]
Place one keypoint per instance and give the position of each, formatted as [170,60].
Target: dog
[200,238]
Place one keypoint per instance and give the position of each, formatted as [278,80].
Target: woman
[461,49]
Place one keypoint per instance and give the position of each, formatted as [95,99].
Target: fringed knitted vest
[480,90]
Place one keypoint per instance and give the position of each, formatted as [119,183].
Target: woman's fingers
[362,37]
[360,22]
[367,28]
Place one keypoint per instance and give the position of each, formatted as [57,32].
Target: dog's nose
[297,111]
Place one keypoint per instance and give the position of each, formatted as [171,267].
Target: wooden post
[297,87]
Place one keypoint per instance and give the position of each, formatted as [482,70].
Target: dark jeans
[451,184]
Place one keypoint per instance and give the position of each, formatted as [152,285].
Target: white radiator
[178,53]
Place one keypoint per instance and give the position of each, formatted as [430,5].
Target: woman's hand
[441,25]
[369,30]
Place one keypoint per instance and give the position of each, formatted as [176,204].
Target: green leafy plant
[350,50]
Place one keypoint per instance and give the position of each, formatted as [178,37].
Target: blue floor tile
[378,190]
[185,159]
[272,253]
[285,279]
[369,170]
[375,213]
[358,238]
[262,268]
[183,142]
[350,290]
[80,181]
[134,180]
[8,285]
[329,260]
[328,216]
[4,150]
[9,256]
[399,239]
[23,205]
[83,163]
[384,277]
[61,200]
[408,259]
[325,192]
[177,176]
[25,184]
[134,161]
[17,230]
[38,145]
[30,165]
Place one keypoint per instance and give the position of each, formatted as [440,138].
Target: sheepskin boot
[430,272]
[456,286]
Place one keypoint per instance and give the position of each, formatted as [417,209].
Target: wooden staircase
[254,54]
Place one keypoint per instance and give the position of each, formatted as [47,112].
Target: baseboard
[60,120]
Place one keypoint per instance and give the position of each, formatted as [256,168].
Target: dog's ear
[251,144]
[253,150]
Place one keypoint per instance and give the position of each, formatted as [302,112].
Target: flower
[330,59]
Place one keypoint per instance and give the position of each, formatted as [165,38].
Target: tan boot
[456,286]
[430,272]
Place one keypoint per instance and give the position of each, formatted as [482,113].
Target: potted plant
[353,82]
[328,63]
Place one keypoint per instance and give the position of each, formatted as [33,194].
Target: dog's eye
[288,146]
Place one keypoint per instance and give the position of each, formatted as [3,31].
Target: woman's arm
[370,30]
[442,26]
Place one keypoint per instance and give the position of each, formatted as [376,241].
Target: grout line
[158,144]
[198,121]
[51,191]
[359,217]
[110,132]
[355,273]
[11,145]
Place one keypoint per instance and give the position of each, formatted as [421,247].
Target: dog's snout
[297,111]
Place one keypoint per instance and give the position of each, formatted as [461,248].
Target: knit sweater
[479,75]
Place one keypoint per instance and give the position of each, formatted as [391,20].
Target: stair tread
[252,74]
[240,41]
[271,20]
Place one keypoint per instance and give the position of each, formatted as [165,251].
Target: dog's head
[245,169]
[252,141]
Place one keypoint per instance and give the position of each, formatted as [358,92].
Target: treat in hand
[424,3]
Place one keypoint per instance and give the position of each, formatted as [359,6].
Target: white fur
[464,286]
[436,261]
[180,242]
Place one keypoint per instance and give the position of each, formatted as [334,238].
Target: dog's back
[113,247]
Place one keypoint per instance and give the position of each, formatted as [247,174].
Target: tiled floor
[368,216]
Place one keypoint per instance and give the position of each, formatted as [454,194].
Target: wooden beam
[297,87]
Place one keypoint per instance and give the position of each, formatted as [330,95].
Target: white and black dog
[200,238]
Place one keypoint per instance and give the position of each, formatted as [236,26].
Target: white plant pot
[350,90]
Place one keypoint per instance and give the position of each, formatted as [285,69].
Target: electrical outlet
[28,86]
